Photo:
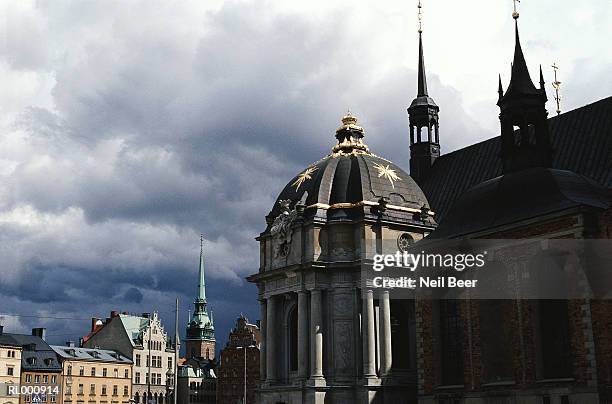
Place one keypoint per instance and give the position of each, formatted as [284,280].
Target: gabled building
[142,339]
[238,371]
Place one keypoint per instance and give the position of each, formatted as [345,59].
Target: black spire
[423,116]
[524,126]
[422,86]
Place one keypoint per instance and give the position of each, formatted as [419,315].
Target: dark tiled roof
[502,200]
[7,340]
[582,142]
[37,355]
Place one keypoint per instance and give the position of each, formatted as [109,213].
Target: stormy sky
[127,128]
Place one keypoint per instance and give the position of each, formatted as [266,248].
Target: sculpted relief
[281,229]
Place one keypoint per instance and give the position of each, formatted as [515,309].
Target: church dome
[351,182]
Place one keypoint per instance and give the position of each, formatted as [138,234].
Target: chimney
[40,332]
[96,324]
[70,344]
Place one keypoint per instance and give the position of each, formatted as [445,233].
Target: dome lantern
[350,136]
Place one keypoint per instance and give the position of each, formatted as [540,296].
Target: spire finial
[515,13]
[557,86]
[201,280]
[500,88]
[420,17]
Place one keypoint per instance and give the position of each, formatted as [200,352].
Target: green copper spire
[201,325]
[202,282]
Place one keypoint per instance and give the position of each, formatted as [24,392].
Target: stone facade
[239,364]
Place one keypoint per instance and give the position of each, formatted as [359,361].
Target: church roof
[581,141]
[502,200]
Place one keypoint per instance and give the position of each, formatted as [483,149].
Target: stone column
[368,332]
[316,322]
[270,343]
[385,337]
[262,361]
[302,334]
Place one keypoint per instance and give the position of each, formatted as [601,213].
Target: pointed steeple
[520,81]
[201,280]
[523,117]
[423,116]
[422,85]
[200,337]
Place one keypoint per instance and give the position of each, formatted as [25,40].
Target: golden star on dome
[305,176]
[388,173]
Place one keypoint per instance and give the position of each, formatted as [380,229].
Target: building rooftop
[90,354]
[581,141]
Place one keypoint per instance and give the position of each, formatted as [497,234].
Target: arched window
[292,334]
[207,353]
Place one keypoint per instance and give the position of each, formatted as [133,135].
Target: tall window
[93,371]
[69,370]
[495,340]
[292,334]
[552,317]
[137,359]
[451,341]
[126,373]
[555,349]
[81,371]
[401,317]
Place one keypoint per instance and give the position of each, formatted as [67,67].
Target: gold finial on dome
[349,121]
[350,136]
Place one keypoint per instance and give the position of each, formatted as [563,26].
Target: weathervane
[557,86]
[515,13]
[420,17]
